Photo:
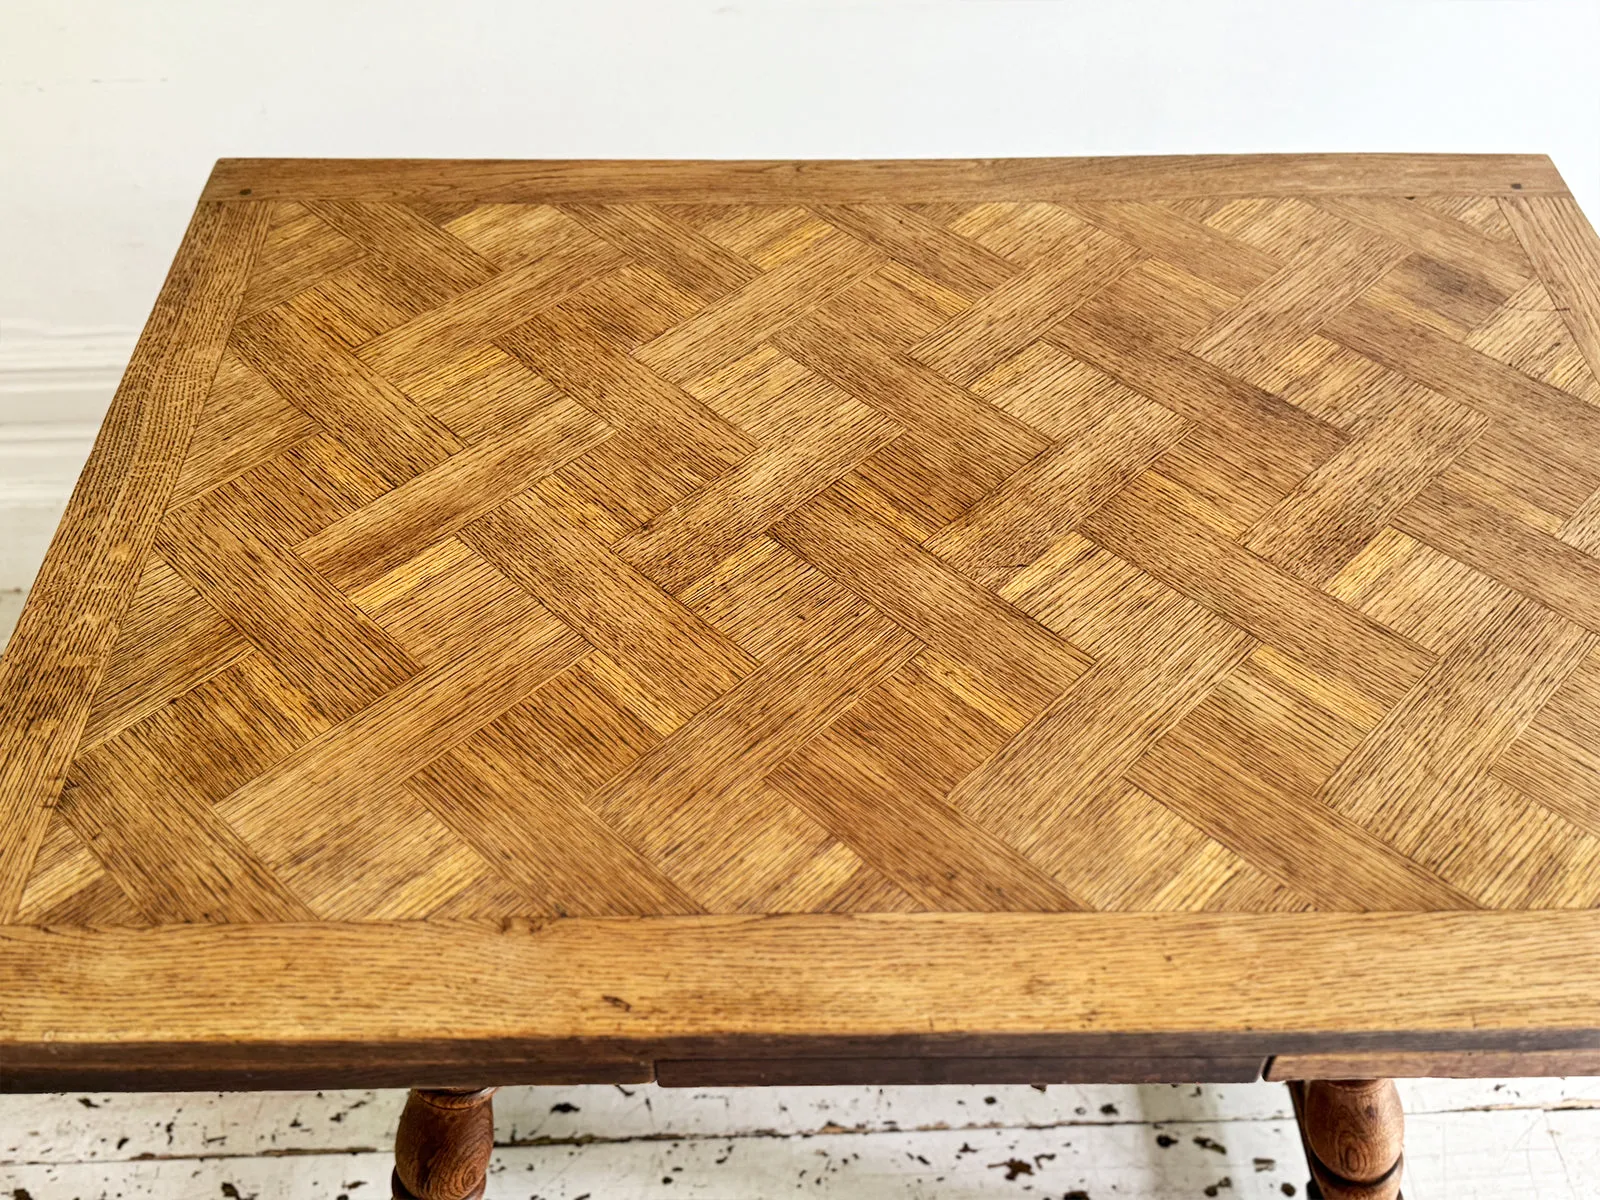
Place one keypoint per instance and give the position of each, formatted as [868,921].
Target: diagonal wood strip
[678,251]
[357,549]
[736,324]
[1146,525]
[930,600]
[309,628]
[620,612]
[341,394]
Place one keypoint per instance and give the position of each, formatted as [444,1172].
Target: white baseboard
[55,385]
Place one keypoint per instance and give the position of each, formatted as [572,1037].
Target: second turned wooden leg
[1353,1131]
[442,1148]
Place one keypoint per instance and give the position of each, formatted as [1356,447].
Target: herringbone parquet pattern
[1227,554]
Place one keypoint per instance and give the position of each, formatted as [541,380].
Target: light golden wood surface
[1141,599]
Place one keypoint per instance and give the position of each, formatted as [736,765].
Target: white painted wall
[112,112]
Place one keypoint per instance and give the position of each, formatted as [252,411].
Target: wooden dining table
[753,623]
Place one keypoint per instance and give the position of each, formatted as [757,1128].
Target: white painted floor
[1483,1140]
[1465,1140]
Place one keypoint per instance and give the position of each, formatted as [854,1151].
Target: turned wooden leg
[1353,1130]
[441,1151]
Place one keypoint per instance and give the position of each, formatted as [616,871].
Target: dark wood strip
[928,597]
[168,850]
[1146,524]
[686,662]
[802,1072]
[1550,437]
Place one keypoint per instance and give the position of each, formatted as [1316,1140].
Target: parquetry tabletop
[564,612]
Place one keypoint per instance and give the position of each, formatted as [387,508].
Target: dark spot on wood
[1165,1140]
[1288,1189]
[1206,1143]
[121,1142]
[86,1102]
[1516,187]
[1013,1167]
[1215,1188]
[564,1107]
[1080,1194]
[1109,1110]
[988,1099]
[1266,1164]
[21,1194]
[618,1002]
[245,191]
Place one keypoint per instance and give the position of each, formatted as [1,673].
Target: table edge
[416,995]
[751,181]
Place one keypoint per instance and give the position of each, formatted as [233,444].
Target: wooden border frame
[863,181]
[229,1001]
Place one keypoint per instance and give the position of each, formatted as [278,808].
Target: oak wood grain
[784,611]
[1136,975]
[58,650]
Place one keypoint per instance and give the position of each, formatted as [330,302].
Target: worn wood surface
[861,571]
[933,984]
